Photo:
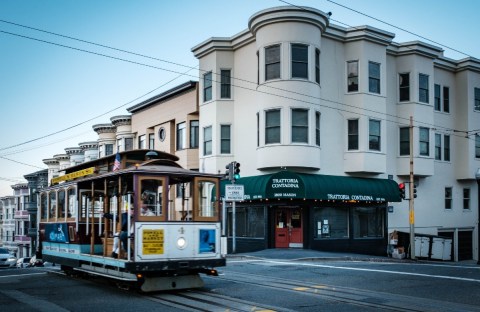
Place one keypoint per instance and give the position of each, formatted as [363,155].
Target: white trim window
[299,125]
[225,84]
[207,140]
[352,134]
[272,126]
[225,139]
[424,140]
[299,60]
[404,87]
[374,135]
[272,62]
[207,87]
[181,136]
[423,88]
[374,77]
[352,76]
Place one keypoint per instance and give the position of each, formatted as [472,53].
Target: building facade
[296,99]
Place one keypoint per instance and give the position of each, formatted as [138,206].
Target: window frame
[194,134]
[317,66]
[207,87]
[273,63]
[207,141]
[438,146]
[299,60]
[446,147]
[299,130]
[371,144]
[437,100]
[466,198]
[424,142]
[226,140]
[373,80]
[352,77]
[181,137]
[273,128]
[423,88]
[446,99]
[142,141]
[403,89]
[353,137]
[225,84]
[448,198]
[318,115]
[404,143]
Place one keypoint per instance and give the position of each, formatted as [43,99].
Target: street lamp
[477,176]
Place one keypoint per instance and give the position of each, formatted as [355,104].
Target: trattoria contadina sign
[74,175]
[285,184]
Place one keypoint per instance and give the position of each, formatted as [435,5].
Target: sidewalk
[308,254]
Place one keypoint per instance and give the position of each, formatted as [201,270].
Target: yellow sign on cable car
[152,242]
[73,175]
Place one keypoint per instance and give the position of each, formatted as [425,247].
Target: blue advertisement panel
[207,240]
[56,232]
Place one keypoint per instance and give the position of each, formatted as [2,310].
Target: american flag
[116,164]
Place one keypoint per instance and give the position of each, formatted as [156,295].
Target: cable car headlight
[181,243]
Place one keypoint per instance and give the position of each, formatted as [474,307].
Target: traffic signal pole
[411,199]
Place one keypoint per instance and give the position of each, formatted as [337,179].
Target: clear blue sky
[47,88]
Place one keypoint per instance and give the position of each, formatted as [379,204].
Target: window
[317,66]
[404,88]
[352,76]
[108,149]
[194,125]
[424,141]
[151,141]
[477,99]
[448,198]
[446,99]
[258,129]
[404,141]
[141,142]
[225,84]
[374,135]
[330,222]
[317,128]
[300,125]
[466,198]
[272,126]
[272,62]
[423,88]
[374,77]
[438,146]
[207,87]
[207,140]
[128,144]
[249,222]
[299,61]
[477,145]
[119,145]
[181,136]
[225,139]
[437,99]
[446,147]
[368,222]
[353,134]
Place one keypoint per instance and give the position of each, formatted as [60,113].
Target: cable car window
[151,199]
[61,204]
[71,211]
[43,206]
[206,207]
[52,205]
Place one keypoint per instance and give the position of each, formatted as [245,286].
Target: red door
[288,228]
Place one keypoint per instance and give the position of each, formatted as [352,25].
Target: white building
[294,95]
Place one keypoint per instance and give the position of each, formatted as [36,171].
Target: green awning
[287,184]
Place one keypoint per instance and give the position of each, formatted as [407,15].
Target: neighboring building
[7,236]
[22,220]
[169,122]
[318,116]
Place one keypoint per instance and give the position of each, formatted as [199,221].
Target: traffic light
[414,191]
[401,188]
[236,170]
[229,171]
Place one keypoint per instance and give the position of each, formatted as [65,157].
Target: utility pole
[411,197]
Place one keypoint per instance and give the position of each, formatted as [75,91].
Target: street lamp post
[477,176]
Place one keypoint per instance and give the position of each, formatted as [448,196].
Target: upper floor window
[317,66]
[142,144]
[225,84]
[272,62]
[258,129]
[424,141]
[128,144]
[194,125]
[446,99]
[477,99]
[423,88]
[225,139]
[446,147]
[438,146]
[207,87]
[448,198]
[317,128]
[300,125]
[352,134]
[374,135]
[437,99]
[181,136]
[352,76]
[466,198]
[119,145]
[299,61]
[108,149]
[477,145]
[404,141]
[404,87]
[272,126]
[151,141]
[373,77]
[207,140]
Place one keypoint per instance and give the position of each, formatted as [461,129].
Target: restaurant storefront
[297,210]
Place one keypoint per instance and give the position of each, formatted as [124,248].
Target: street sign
[234,192]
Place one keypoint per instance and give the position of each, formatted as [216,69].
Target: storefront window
[331,223]
[250,222]
[368,222]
